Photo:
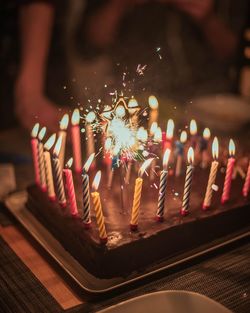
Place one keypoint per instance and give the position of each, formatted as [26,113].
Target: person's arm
[36,21]
[103,21]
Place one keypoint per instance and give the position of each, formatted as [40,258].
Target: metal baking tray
[88,283]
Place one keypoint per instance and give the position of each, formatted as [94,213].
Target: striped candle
[163,187]
[98,209]
[137,196]
[58,174]
[76,141]
[70,187]
[48,168]
[229,173]
[188,183]
[63,133]
[85,188]
[246,186]
[41,160]
[212,175]
[34,148]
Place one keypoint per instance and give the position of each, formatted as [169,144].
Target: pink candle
[246,186]
[70,188]
[34,148]
[76,141]
[228,179]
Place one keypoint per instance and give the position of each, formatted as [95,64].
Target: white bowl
[168,302]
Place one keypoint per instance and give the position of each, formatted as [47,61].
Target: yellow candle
[212,175]
[136,203]
[98,208]
[49,176]
[137,195]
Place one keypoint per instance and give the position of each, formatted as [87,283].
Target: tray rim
[36,235]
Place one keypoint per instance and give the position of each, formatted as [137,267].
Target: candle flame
[90,117]
[142,134]
[75,118]
[35,130]
[170,129]
[120,111]
[42,133]
[153,102]
[193,127]
[215,148]
[69,163]
[132,103]
[133,106]
[190,155]
[57,148]
[108,144]
[166,158]
[88,162]
[206,133]
[183,136]
[96,180]
[50,142]
[158,135]
[231,147]
[144,166]
[64,122]
[153,128]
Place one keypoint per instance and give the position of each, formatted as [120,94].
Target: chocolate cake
[154,242]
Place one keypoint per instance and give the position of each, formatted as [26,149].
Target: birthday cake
[122,227]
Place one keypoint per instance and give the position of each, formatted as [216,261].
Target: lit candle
[76,141]
[179,151]
[85,187]
[229,172]
[58,173]
[98,208]
[70,187]
[133,109]
[63,133]
[34,148]
[41,159]
[203,145]
[153,129]
[212,175]
[246,186]
[90,117]
[193,133]
[158,135]
[188,183]
[169,134]
[48,168]
[153,104]
[163,186]
[137,195]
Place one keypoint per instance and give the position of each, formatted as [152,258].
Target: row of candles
[44,178]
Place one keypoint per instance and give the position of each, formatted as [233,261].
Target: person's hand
[32,106]
[199,10]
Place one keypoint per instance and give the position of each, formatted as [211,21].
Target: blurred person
[174,38]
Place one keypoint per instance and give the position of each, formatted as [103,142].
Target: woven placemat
[20,291]
[224,278]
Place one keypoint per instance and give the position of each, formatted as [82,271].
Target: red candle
[246,186]
[76,141]
[34,148]
[70,187]
[228,179]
